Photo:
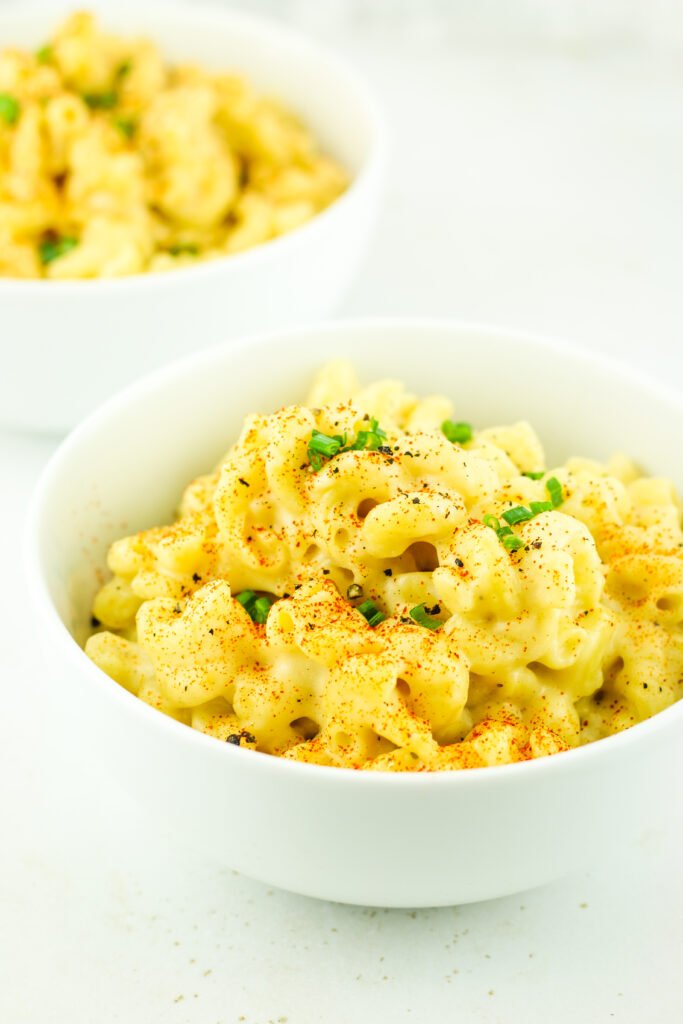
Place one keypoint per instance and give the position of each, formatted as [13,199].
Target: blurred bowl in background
[67,345]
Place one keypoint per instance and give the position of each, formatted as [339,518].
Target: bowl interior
[125,467]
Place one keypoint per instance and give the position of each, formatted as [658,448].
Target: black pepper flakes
[196,577]
[384,449]
[388,572]
[460,564]
[237,737]
[416,501]
[245,483]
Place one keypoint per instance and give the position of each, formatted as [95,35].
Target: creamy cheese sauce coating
[387,606]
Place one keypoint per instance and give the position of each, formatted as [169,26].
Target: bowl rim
[570,760]
[355,84]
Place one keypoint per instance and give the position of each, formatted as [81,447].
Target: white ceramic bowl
[359,837]
[66,346]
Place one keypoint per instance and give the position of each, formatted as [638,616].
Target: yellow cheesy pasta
[365,582]
[113,163]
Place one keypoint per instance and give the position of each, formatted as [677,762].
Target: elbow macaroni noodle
[569,634]
[112,163]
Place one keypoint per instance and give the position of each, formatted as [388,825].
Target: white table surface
[539,187]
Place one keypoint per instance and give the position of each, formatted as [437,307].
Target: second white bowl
[66,346]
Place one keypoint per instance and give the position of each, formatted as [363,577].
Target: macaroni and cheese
[369,583]
[113,163]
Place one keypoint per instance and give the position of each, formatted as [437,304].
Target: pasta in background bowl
[220,145]
[399,838]
[114,163]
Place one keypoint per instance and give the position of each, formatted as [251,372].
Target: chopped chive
[554,489]
[504,533]
[52,248]
[127,126]
[261,609]
[536,475]
[368,440]
[419,614]
[330,445]
[322,445]
[370,613]
[178,248]
[518,514]
[44,54]
[256,607]
[457,433]
[511,542]
[123,69]
[540,506]
[9,108]
[101,100]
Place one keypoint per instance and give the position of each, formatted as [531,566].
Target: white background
[536,181]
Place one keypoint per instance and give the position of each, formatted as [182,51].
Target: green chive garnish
[261,609]
[327,446]
[457,433]
[9,108]
[371,613]
[101,100]
[123,69]
[536,475]
[521,514]
[52,248]
[554,489]
[256,607]
[504,533]
[183,248]
[518,514]
[540,506]
[323,445]
[510,542]
[44,54]
[421,616]
[367,440]
[127,126]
